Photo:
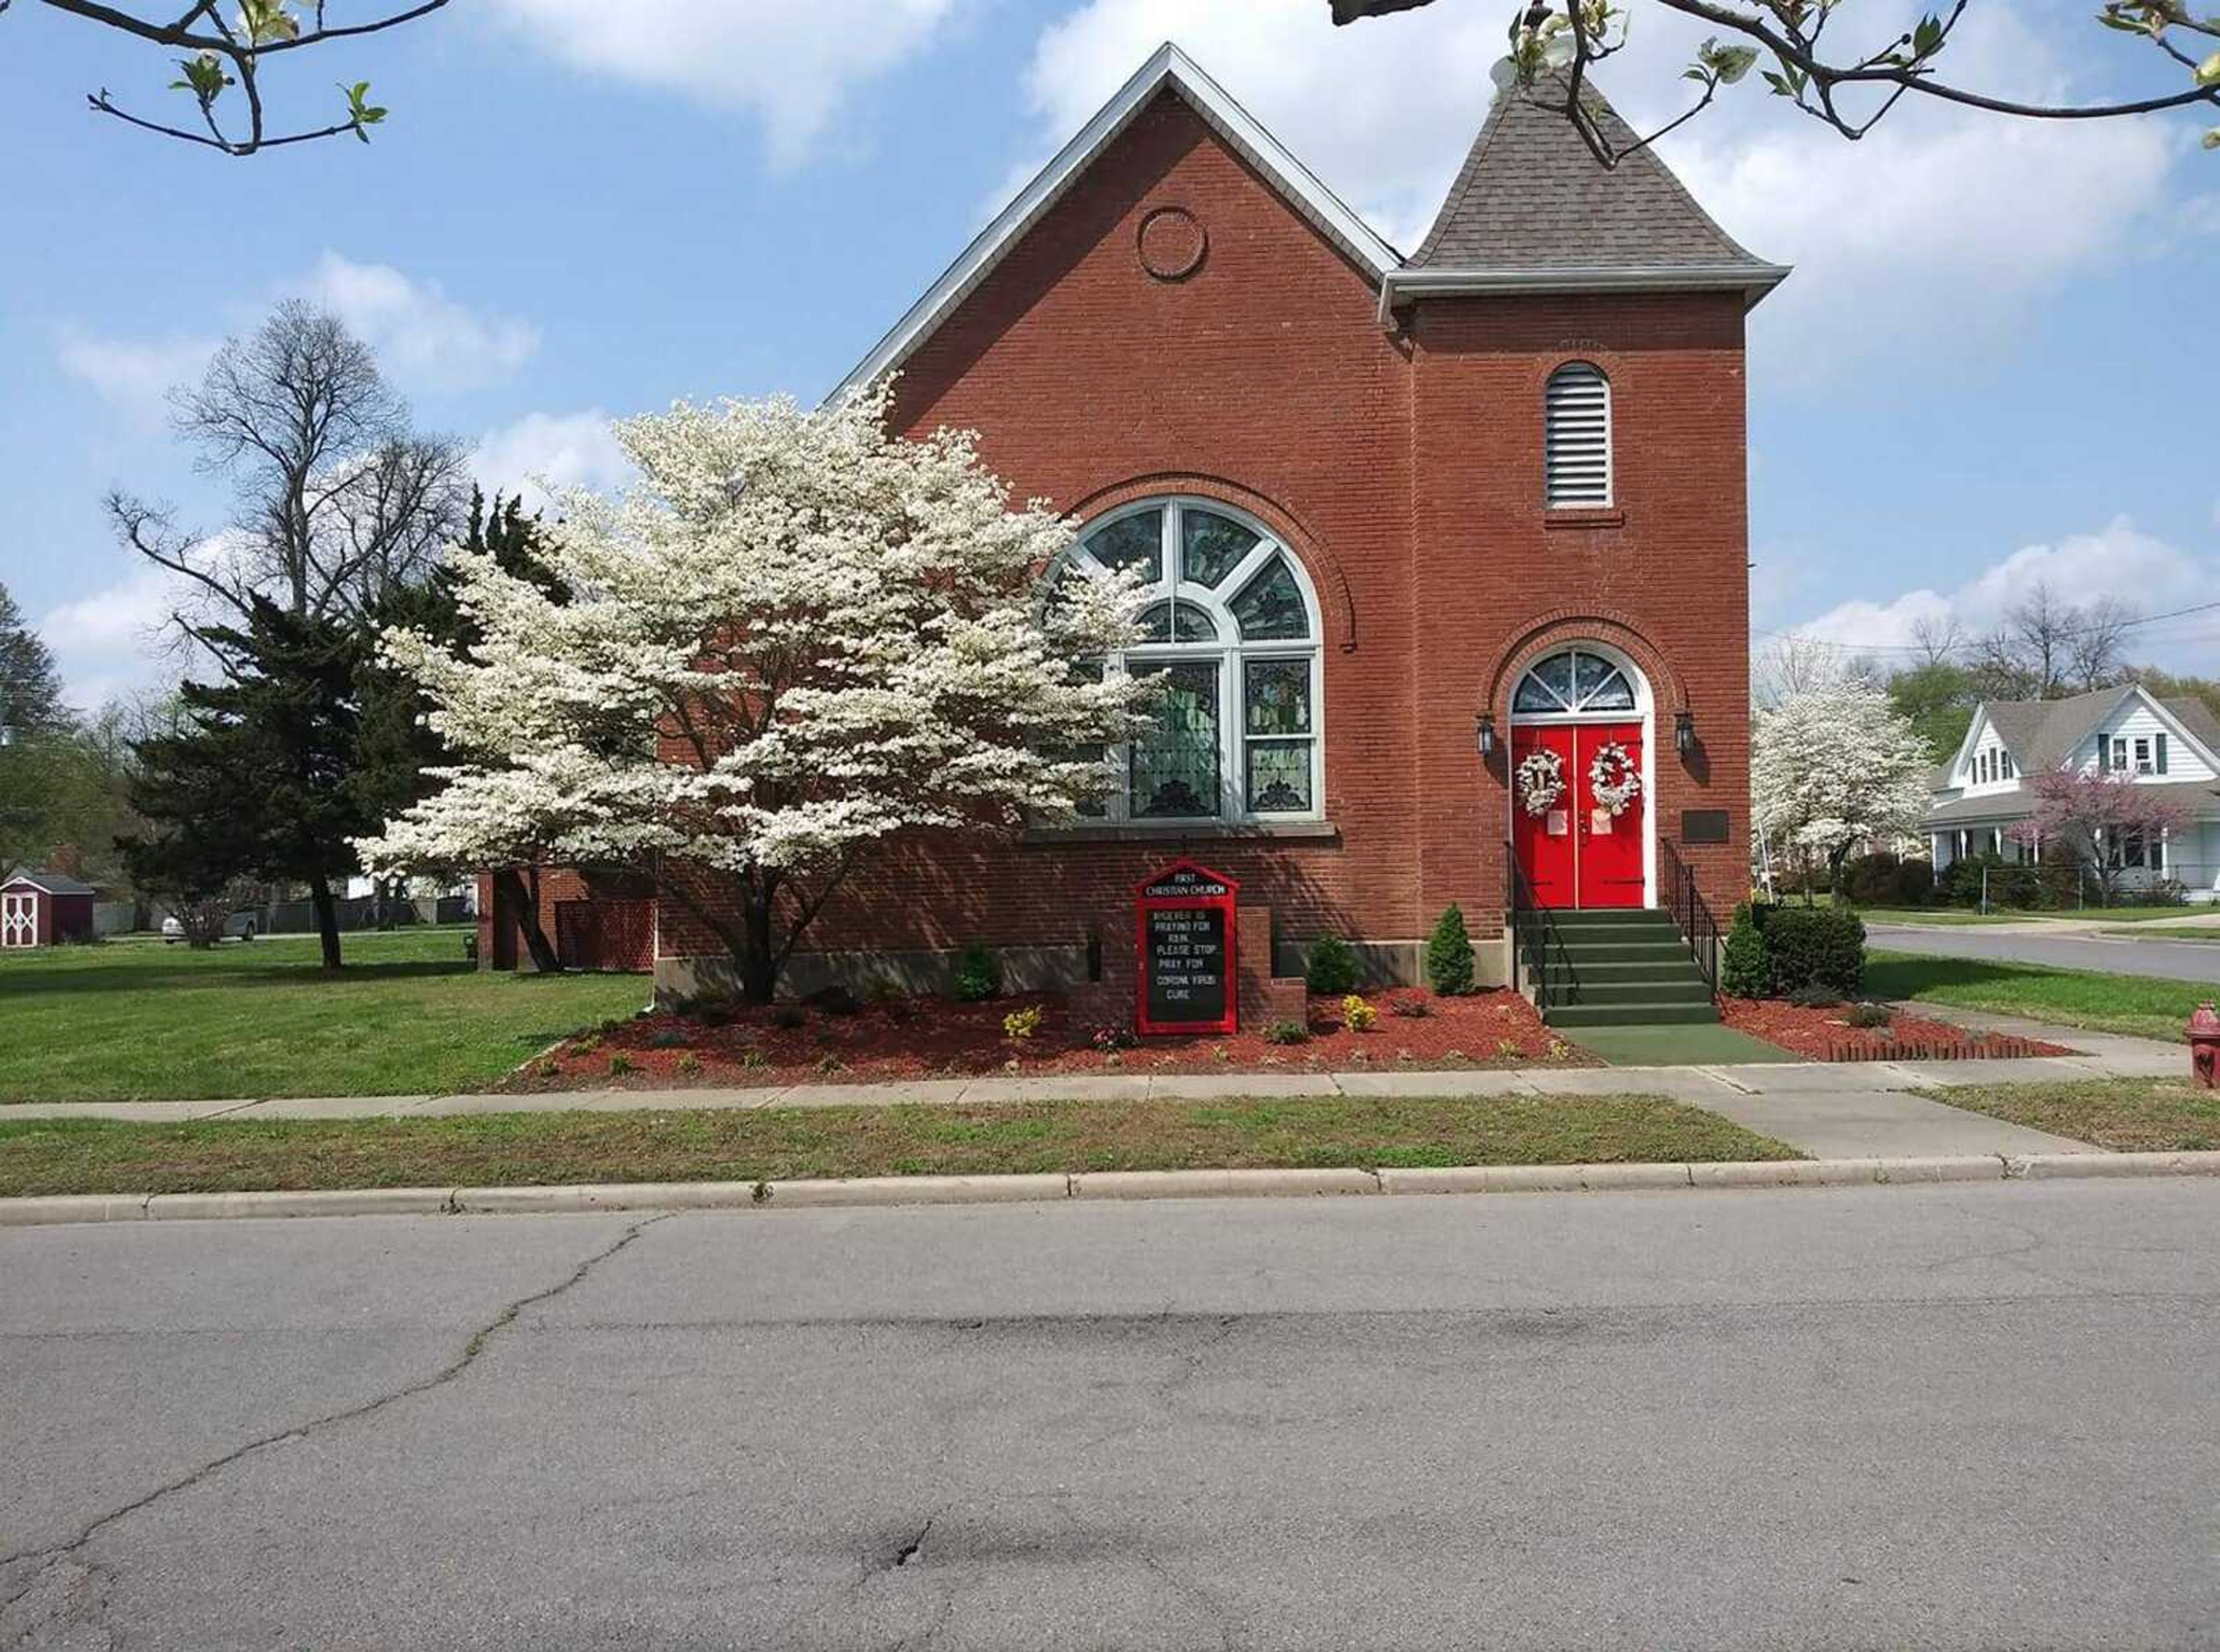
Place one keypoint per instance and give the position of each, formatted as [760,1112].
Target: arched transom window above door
[1577,683]
[1231,627]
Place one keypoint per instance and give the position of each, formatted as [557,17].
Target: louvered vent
[1579,437]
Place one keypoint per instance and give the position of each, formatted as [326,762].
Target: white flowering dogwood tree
[1835,765]
[795,637]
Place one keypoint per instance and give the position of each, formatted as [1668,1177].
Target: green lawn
[96,1155]
[1952,917]
[1941,917]
[134,1020]
[2144,1006]
[2125,1115]
[2124,914]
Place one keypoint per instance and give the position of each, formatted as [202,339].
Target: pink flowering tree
[2093,816]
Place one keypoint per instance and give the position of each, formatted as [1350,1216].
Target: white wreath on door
[1613,779]
[1541,782]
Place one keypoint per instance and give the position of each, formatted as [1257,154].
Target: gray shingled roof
[2196,717]
[1531,197]
[2200,797]
[52,883]
[2042,733]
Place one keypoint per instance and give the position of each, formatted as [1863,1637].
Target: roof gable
[1168,69]
[46,883]
[1531,199]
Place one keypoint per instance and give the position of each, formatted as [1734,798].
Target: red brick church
[1450,549]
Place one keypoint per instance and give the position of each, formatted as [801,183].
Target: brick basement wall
[1406,470]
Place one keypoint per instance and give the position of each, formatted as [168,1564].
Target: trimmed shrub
[1330,969]
[1885,880]
[1448,956]
[1869,1016]
[1744,972]
[978,973]
[1813,995]
[1286,1033]
[1807,946]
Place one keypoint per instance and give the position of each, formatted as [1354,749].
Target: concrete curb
[882,1191]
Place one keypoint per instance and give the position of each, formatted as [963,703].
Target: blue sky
[1986,369]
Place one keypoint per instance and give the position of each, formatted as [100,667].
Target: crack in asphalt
[57,1553]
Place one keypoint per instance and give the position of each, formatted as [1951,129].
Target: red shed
[39,908]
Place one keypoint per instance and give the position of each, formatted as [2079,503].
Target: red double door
[1576,853]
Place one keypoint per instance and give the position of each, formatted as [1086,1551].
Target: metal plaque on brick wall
[1704,826]
[1183,926]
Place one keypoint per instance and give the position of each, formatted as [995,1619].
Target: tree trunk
[327,919]
[759,963]
[512,893]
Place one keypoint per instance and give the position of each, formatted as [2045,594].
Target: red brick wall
[1406,471]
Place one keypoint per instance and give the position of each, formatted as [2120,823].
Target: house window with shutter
[1577,446]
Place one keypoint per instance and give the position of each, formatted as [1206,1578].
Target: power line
[1922,648]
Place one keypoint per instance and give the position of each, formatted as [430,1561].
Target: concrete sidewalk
[1828,1109]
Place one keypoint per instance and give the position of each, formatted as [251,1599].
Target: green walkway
[1674,1046]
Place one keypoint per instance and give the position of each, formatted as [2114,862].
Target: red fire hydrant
[2204,1047]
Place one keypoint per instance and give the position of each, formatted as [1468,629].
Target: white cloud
[115,642]
[790,62]
[420,335]
[1936,232]
[571,450]
[133,377]
[2118,561]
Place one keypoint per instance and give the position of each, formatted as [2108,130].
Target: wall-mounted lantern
[1485,736]
[1684,731]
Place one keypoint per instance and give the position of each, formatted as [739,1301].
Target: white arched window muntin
[1231,623]
[1577,438]
[1582,682]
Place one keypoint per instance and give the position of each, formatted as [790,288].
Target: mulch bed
[920,1039]
[1824,1035]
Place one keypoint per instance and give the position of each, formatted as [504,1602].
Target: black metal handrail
[1682,899]
[1538,951]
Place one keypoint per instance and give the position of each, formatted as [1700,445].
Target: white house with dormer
[1981,793]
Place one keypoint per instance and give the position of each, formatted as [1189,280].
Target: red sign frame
[1218,893]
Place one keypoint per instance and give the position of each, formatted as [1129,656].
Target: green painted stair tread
[1691,990]
[1676,1046]
[1640,1014]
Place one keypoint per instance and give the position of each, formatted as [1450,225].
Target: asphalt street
[1977,1416]
[2176,960]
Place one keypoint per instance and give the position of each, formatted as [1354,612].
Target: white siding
[2136,721]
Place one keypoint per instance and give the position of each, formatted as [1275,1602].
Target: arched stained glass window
[1231,631]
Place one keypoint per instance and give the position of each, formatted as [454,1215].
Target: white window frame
[1550,499]
[1227,652]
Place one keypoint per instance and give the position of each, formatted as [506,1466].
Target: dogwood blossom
[1835,765]
[797,637]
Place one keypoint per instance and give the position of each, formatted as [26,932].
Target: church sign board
[1184,928]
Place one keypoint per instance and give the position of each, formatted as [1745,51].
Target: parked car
[241,924]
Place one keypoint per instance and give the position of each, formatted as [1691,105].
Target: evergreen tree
[1747,970]
[30,693]
[1448,956]
[262,780]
